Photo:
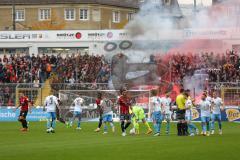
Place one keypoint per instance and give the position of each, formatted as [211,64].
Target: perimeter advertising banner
[8,114]
[231,114]
[109,35]
[60,35]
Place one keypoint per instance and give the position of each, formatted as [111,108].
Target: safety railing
[9,92]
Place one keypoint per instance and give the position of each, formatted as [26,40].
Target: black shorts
[181,114]
[125,117]
[23,114]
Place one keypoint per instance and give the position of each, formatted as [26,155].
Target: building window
[20,15]
[69,14]
[84,14]
[44,14]
[167,2]
[116,17]
[96,15]
[129,16]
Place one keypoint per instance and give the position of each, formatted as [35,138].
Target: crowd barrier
[7,114]
[230,93]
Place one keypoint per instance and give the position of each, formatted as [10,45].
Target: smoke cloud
[156,19]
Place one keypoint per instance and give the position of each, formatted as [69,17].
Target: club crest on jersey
[232,114]
[195,114]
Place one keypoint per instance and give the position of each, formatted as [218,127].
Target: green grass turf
[69,144]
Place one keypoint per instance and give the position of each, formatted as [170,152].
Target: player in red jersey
[24,107]
[124,103]
[100,111]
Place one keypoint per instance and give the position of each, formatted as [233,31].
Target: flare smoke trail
[155,18]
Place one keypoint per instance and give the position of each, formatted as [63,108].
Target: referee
[182,127]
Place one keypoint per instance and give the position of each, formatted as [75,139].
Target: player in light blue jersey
[188,116]
[217,106]
[107,108]
[208,98]
[51,103]
[77,112]
[166,104]
[205,107]
[156,109]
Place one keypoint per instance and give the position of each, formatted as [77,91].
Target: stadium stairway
[45,91]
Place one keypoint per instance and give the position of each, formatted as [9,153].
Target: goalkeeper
[137,115]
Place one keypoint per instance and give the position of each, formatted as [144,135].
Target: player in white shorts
[77,112]
[188,116]
[51,103]
[156,111]
[205,107]
[217,106]
[107,108]
[208,98]
[166,104]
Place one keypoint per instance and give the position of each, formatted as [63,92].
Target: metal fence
[9,92]
[231,96]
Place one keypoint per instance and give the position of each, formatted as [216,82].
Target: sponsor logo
[78,35]
[123,45]
[96,35]
[7,115]
[209,34]
[21,36]
[109,34]
[123,35]
[37,36]
[91,114]
[195,114]
[232,114]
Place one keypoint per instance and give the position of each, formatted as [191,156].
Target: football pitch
[70,144]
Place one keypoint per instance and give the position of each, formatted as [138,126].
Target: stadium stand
[219,67]
[69,69]
[43,69]
[52,73]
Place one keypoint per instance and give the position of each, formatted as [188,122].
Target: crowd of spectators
[69,69]
[80,69]
[77,68]
[89,70]
[218,67]
[7,95]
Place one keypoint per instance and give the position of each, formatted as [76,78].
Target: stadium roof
[120,3]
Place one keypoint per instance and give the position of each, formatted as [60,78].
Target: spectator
[71,80]
[36,83]
[48,69]
[225,69]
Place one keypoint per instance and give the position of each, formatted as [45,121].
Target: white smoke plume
[153,22]
[155,19]
[222,15]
